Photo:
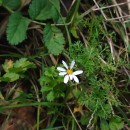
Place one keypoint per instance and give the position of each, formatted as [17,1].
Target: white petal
[76,79]
[66,79]
[61,69]
[62,73]
[71,77]
[72,64]
[64,63]
[78,72]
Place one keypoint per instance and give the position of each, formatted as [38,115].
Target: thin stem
[10,10]
[74,117]
[38,117]
[41,23]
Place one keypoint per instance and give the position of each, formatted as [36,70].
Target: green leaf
[104,125]
[50,96]
[44,9]
[46,88]
[12,4]
[116,123]
[43,79]
[55,10]
[10,77]
[14,70]
[104,111]
[56,4]
[23,64]
[53,39]
[17,27]
[74,32]
[50,71]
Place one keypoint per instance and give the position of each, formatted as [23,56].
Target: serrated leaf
[10,77]
[55,10]
[12,4]
[17,27]
[54,40]
[44,9]
[23,64]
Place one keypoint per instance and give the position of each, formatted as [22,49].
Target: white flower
[68,73]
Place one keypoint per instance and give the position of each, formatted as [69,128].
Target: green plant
[38,10]
[15,70]
[52,86]
[38,31]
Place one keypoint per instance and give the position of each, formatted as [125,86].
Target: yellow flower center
[69,72]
